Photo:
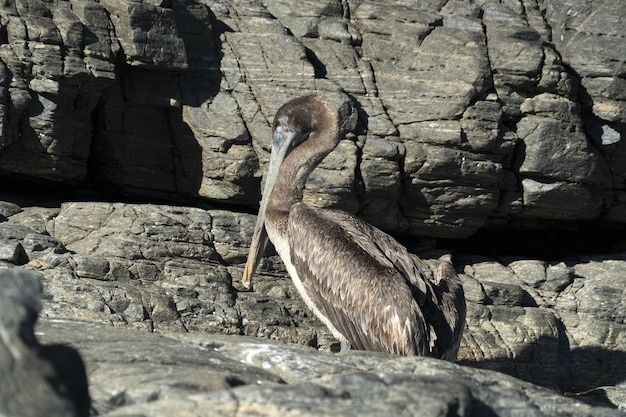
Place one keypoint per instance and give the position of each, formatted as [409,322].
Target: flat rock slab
[137,373]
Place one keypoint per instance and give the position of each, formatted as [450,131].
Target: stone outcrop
[213,375]
[176,271]
[455,116]
[191,374]
[37,380]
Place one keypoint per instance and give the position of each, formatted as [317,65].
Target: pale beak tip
[246,278]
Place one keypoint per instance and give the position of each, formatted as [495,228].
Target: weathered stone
[98,42]
[213,375]
[431,203]
[531,271]
[145,33]
[514,47]
[340,61]
[13,252]
[561,200]
[37,379]
[230,232]
[547,144]
[558,277]
[303,21]
[413,91]
[481,125]
[8,209]
[190,116]
[94,237]
[21,244]
[554,76]
[455,117]
[592,46]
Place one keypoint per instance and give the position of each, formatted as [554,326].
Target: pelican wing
[386,250]
[360,280]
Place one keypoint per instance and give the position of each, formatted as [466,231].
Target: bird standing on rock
[359,281]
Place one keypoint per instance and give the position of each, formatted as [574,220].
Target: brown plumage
[359,281]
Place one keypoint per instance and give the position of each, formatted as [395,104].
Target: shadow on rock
[587,374]
[38,380]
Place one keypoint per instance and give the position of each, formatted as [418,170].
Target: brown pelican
[358,280]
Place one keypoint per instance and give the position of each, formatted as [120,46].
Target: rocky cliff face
[456,117]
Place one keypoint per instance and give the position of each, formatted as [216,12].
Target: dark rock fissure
[552,241]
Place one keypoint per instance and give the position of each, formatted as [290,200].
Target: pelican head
[303,133]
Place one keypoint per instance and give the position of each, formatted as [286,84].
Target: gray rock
[591,46]
[21,244]
[8,209]
[453,210]
[455,117]
[93,228]
[145,32]
[558,277]
[174,100]
[561,199]
[12,252]
[200,374]
[546,145]
[38,379]
[176,270]
[35,218]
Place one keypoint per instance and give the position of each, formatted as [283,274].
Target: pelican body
[360,282]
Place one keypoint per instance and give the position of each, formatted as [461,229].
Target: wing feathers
[357,278]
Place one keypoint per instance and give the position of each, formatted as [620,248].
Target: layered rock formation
[456,118]
[455,115]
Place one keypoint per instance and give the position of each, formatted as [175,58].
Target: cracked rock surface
[455,116]
[114,274]
[133,139]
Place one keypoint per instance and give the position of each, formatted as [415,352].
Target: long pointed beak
[257,248]
[281,144]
